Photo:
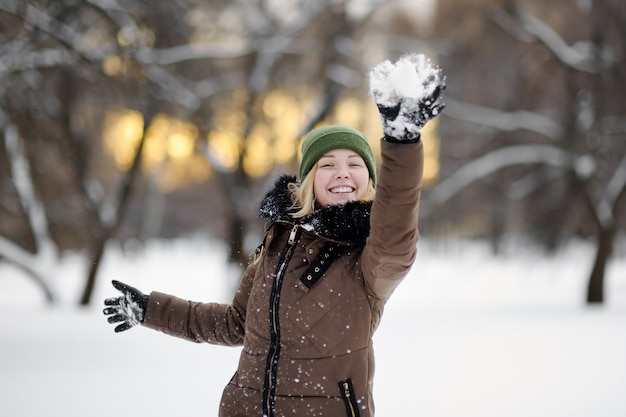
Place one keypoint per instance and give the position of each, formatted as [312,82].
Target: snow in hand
[465,335]
[412,76]
[405,93]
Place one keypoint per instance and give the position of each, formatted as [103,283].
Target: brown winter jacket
[307,334]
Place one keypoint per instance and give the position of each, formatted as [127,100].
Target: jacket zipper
[269,386]
[347,393]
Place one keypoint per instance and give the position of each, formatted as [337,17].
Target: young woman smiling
[339,239]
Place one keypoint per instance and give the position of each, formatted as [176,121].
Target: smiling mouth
[342,190]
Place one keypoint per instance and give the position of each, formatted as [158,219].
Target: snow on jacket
[306,310]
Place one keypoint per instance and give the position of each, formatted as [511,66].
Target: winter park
[466,334]
[365,207]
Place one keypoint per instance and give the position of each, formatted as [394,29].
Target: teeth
[342,190]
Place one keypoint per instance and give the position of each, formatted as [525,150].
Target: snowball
[412,76]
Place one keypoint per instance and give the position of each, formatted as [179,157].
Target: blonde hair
[303,194]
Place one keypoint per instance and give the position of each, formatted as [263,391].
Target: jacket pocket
[349,399]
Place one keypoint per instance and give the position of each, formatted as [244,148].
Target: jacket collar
[347,223]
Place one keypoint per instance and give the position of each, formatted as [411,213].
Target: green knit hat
[326,138]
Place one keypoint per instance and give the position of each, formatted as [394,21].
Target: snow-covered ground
[466,335]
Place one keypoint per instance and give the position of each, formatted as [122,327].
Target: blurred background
[137,138]
[126,121]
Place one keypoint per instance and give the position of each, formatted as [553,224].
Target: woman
[309,303]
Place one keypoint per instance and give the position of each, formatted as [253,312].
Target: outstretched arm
[198,322]
[222,324]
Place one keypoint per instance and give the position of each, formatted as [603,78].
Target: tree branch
[34,210]
[494,161]
[579,57]
[501,120]
[27,262]
[617,185]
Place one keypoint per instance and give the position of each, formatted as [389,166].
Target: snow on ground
[466,335]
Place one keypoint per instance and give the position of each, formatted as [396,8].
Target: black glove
[130,308]
[406,93]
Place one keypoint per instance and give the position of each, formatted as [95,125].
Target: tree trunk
[108,230]
[236,251]
[595,287]
[93,272]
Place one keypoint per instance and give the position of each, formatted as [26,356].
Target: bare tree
[316,26]
[53,90]
[578,141]
[65,64]
[36,265]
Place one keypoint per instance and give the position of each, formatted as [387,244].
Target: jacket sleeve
[215,323]
[392,244]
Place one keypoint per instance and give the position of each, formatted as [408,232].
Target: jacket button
[310,251]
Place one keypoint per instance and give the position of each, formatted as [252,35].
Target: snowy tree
[533,124]
[55,87]
[66,64]
[574,135]
[36,266]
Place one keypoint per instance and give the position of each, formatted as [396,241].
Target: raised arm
[406,94]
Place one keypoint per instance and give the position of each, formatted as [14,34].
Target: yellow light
[169,149]
[226,146]
[431,170]
[121,134]
[180,172]
[124,38]
[112,65]
[169,138]
[275,104]
[284,149]
[155,151]
[258,160]
[179,145]
[349,112]
[284,115]
[431,142]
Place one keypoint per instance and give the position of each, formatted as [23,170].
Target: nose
[342,172]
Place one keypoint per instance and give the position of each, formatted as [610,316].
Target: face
[341,176]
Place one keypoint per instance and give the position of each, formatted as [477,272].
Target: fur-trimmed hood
[347,223]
